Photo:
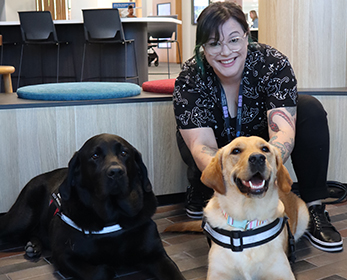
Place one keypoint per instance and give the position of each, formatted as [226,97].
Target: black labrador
[95,215]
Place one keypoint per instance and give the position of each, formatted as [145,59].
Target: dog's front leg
[163,268]
[82,270]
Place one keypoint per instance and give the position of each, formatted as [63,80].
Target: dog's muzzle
[257,184]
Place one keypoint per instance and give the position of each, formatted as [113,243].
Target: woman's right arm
[201,143]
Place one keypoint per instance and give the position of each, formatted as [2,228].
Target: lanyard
[226,112]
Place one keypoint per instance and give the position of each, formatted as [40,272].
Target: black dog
[102,220]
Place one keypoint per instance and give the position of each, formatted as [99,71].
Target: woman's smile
[227,62]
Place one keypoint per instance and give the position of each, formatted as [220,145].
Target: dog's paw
[103,272]
[32,250]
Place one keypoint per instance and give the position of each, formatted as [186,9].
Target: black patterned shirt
[268,82]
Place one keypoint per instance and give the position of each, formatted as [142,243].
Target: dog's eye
[236,151]
[265,149]
[123,153]
[95,156]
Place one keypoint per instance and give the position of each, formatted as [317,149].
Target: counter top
[11,100]
[130,20]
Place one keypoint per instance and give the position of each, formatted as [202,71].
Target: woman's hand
[201,143]
[281,122]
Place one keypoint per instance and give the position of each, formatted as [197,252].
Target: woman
[254,17]
[232,88]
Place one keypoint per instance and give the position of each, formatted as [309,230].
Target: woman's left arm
[281,124]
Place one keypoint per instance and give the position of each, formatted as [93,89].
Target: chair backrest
[37,26]
[162,29]
[102,24]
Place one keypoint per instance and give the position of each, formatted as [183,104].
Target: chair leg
[58,54]
[179,53]
[7,83]
[83,57]
[168,60]
[125,62]
[20,65]
[136,68]
[101,78]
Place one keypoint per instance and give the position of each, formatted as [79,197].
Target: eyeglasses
[234,45]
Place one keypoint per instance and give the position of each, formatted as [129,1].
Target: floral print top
[268,82]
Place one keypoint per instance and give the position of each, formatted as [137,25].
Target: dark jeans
[310,155]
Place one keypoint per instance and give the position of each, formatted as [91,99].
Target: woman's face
[228,64]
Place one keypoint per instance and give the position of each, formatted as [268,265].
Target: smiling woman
[231,88]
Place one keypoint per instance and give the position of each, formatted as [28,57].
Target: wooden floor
[189,251]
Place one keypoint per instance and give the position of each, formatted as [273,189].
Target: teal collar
[244,224]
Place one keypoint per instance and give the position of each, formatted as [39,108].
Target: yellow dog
[247,216]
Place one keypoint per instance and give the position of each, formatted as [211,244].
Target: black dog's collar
[57,201]
[105,230]
[237,240]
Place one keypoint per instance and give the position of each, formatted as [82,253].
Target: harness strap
[56,203]
[105,230]
[237,240]
[291,245]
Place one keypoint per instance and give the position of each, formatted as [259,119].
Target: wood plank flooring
[189,251]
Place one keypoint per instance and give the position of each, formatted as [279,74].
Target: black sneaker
[320,232]
[196,200]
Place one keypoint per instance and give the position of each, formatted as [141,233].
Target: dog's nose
[114,172]
[257,159]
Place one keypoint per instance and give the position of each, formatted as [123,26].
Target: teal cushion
[79,91]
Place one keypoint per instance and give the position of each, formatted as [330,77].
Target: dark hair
[130,7]
[210,20]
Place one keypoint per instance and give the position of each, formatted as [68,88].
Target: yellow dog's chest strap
[238,240]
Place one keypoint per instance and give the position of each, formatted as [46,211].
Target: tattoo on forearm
[210,151]
[273,126]
[291,111]
[285,148]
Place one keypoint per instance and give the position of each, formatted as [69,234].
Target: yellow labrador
[246,217]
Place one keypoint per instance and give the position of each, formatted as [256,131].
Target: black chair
[162,32]
[37,28]
[104,26]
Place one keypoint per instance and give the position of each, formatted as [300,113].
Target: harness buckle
[236,240]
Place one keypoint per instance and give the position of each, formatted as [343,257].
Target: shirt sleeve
[194,98]
[281,87]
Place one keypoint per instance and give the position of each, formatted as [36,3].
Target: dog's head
[251,164]
[106,173]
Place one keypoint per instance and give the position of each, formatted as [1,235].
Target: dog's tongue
[254,183]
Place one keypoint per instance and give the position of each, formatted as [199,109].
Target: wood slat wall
[37,140]
[313,34]
[56,7]
[335,106]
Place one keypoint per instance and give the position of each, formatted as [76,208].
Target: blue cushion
[79,91]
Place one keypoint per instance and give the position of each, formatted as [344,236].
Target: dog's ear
[212,176]
[284,181]
[142,172]
[71,179]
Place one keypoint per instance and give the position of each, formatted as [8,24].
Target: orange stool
[6,72]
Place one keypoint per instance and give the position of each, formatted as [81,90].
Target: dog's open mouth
[256,185]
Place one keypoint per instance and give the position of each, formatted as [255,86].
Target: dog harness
[57,201]
[238,240]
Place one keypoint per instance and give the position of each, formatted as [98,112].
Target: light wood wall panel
[335,106]
[38,140]
[313,34]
